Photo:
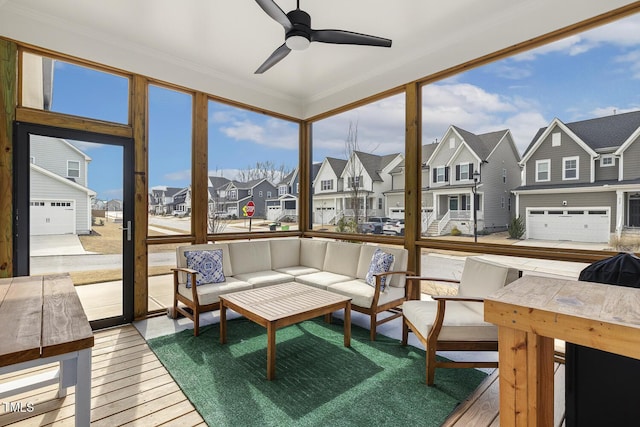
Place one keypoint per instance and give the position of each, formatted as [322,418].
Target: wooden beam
[200,168]
[138,117]
[8,101]
[304,177]
[67,121]
[413,171]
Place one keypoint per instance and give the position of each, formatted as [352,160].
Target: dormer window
[607,160]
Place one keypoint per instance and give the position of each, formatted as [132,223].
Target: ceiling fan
[299,34]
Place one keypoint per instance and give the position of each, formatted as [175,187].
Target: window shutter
[435,174]
[457,172]
[446,174]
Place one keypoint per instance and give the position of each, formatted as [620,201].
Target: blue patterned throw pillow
[208,264]
[380,263]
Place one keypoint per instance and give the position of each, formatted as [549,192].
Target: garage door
[576,225]
[52,217]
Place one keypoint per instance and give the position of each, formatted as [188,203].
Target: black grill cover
[622,270]
[601,387]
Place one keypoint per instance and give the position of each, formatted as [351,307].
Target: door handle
[128,230]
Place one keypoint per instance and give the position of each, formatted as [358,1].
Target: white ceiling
[216,45]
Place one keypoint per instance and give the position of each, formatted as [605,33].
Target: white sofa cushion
[209,293]
[342,258]
[322,279]
[258,279]
[481,278]
[181,259]
[297,270]
[362,294]
[399,263]
[460,322]
[312,253]
[284,253]
[249,257]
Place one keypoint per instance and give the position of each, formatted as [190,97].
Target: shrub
[516,228]
[455,231]
[346,225]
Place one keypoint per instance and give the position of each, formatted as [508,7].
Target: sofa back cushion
[284,253]
[481,278]
[312,253]
[342,258]
[249,257]
[181,259]
[399,263]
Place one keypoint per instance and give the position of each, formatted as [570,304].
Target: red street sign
[251,208]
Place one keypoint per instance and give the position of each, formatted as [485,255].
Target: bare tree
[265,169]
[353,172]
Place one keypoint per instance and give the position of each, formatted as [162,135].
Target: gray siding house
[581,180]
[234,195]
[60,200]
[461,163]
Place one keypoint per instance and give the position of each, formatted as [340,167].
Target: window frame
[69,162]
[610,157]
[565,169]
[548,171]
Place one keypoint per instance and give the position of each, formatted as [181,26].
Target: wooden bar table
[43,322]
[531,312]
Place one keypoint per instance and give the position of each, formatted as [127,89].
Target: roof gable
[543,133]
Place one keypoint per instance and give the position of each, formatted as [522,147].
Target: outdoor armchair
[456,323]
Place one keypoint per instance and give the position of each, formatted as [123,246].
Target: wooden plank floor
[129,387]
[482,408]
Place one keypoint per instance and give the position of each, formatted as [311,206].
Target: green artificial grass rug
[319,382]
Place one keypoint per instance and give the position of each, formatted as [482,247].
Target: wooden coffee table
[282,305]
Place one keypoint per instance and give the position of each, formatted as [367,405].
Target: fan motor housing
[301,22]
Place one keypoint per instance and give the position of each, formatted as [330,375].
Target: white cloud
[632,61]
[272,132]
[178,175]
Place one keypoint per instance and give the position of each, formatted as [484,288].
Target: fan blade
[348,37]
[274,11]
[277,56]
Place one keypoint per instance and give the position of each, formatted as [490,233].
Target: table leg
[526,378]
[271,351]
[223,323]
[83,388]
[347,324]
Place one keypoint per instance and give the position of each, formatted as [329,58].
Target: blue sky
[584,76]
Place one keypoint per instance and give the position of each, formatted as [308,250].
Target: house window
[440,174]
[233,194]
[282,190]
[326,184]
[607,161]
[464,171]
[502,202]
[379,202]
[268,194]
[570,168]
[504,176]
[32,160]
[260,193]
[555,139]
[466,203]
[73,169]
[355,181]
[543,170]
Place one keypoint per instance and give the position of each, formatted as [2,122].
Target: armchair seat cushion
[322,279]
[362,293]
[460,322]
[209,293]
[259,279]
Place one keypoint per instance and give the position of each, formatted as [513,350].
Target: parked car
[373,225]
[222,215]
[394,228]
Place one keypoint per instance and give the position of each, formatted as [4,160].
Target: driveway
[58,244]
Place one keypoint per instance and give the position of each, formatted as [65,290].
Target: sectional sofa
[339,267]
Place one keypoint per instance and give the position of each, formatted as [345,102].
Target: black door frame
[21,180]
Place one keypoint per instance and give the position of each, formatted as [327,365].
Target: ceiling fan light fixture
[297,42]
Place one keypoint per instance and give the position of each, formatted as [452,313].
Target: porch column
[619,212]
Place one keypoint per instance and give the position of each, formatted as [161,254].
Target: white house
[59,197]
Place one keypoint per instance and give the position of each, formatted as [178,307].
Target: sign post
[249,209]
